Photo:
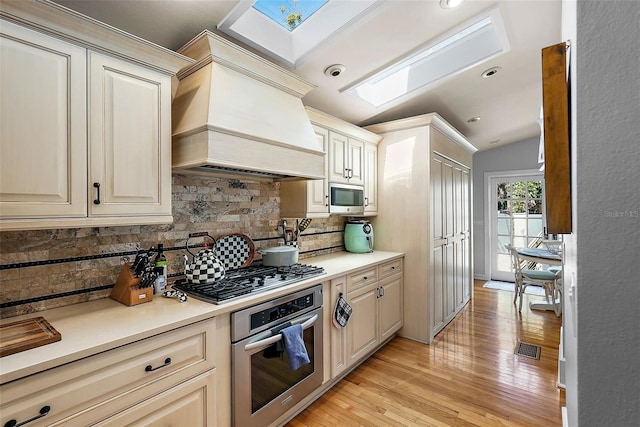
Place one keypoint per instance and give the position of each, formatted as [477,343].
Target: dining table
[551,258]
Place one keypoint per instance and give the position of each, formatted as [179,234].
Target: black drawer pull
[43,411]
[96,185]
[150,368]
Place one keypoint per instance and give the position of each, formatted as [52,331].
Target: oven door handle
[275,338]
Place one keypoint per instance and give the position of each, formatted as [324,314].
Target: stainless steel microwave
[346,199]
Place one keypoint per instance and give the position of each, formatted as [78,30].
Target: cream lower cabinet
[166,377]
[375,294]
[339,360]
[86,136]
[187,404]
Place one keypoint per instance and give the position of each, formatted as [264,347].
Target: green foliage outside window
[293,16]
[520,197]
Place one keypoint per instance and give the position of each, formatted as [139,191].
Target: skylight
[263,25]
[464,47]
[288,13]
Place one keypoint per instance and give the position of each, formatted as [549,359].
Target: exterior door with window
[517,218]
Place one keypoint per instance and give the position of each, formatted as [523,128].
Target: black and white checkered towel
[342,313]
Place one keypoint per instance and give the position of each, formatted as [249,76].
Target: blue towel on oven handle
[294,345]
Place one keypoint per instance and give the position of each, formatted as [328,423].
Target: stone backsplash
[43,269]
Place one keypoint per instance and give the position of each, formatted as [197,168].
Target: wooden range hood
[236,113]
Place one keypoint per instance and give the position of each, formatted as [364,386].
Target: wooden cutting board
[26,334]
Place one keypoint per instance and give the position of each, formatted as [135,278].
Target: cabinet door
[356,161]
[339,360]
[459,236]
[466,229]
[43,165]
[370,177]
[362,334]
[317,194]
[191,403]
[438,272]
[338,157]
[390,307]
[129,137]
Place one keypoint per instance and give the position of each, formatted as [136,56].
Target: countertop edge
[94,327]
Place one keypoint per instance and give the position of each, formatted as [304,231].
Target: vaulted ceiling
[507,103]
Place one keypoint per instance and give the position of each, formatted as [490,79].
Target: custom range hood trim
[237,113]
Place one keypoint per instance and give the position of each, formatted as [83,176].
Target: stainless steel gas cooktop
[249,280]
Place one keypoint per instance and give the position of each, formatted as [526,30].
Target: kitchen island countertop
[96,326]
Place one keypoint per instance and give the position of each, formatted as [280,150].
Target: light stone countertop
[96,326]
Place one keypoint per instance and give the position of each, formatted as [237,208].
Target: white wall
[521,155]
[602,316]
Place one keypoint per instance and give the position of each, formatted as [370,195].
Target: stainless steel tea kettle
[205,268]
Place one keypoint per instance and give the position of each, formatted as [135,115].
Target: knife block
[126,289]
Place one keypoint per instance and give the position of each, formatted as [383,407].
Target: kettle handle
[200,234]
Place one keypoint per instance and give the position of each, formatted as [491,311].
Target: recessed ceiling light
[490,72]
[450,4]
[474,119]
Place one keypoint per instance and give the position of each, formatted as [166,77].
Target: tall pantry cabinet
[424,210]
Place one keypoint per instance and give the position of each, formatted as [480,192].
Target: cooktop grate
[217,291]
[246,280]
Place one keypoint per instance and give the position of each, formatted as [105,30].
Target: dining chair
[542,278]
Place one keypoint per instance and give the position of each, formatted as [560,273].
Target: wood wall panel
[557,158]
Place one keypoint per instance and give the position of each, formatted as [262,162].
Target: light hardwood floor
[469,376]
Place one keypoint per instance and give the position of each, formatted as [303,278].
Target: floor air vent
[528,350]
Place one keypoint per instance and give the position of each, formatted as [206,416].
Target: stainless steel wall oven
[264,386]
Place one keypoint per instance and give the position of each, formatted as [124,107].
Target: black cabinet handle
[366,201]
[14,423]
[150,368]
[327,198]
[96,185]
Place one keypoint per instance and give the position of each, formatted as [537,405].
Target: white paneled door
[516,215]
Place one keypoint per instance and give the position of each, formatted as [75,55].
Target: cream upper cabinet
[370,178]
[307,199]
[346,159]
[43,132]
[86,136]
[351,157]
[129,138]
